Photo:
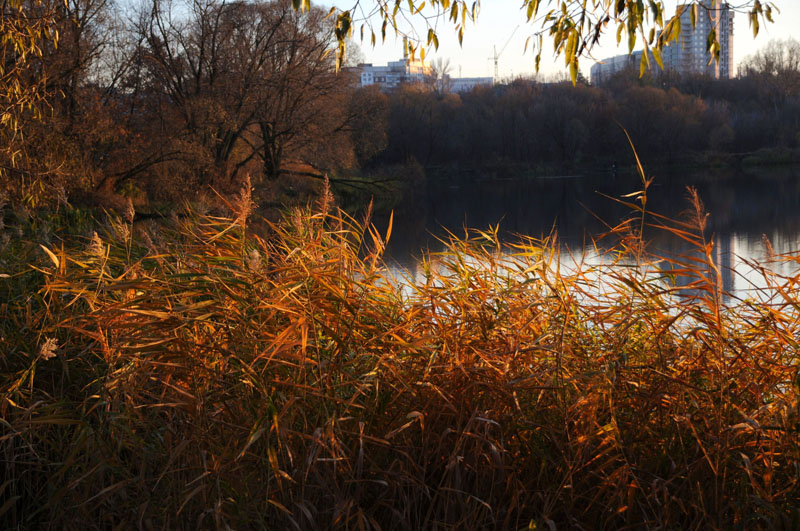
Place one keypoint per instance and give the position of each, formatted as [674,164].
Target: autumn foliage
[196,375]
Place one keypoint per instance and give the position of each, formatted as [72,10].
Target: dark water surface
[744,207]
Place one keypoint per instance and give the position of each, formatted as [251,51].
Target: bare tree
[440,75]
[777,69]
[242,82]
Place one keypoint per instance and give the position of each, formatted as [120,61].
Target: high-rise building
[689,54]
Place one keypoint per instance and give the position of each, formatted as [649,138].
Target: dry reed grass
[200,377]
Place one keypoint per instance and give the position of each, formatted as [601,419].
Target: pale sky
[499,18]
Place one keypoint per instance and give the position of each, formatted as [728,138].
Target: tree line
[558,127]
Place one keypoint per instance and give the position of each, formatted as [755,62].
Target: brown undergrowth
[198,376]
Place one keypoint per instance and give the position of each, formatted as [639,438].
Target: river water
[746,209]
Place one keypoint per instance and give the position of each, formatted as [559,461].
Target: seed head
[768,249]
[255,262]
[326,199]
[130,212]
[243,205]
[48,349]
[96,247]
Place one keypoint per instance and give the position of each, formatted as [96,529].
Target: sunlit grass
[204,377]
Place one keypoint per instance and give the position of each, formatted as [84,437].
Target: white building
[394,74]
[602,71]
[466,84]
[408,70]
[688,55]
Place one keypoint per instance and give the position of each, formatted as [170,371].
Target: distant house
[406,71]
[465,84]
[396,73]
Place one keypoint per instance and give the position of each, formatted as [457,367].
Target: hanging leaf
[657,57]
[569,53]
[711,40]
[573,71]
[644,63]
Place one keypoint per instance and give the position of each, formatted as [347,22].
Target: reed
[195,375]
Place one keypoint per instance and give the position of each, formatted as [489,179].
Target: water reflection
[746,209]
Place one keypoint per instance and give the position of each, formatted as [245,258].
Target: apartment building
[688,55]
[393,74]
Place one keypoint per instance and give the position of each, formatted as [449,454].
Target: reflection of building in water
[725,248]
[693,258]
[744,260]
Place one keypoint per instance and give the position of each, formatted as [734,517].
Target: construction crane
[497,55]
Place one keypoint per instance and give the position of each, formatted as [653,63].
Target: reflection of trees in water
[741,208]
[751,203]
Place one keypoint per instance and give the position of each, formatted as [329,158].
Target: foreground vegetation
[196,375]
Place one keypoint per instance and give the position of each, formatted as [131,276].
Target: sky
[501,23]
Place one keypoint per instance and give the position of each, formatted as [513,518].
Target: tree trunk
[272,152]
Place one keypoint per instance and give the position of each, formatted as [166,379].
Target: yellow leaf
[52,256]
[389,230]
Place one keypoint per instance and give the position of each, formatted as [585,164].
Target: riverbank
[689,162]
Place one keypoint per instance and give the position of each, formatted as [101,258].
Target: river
[746,209]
